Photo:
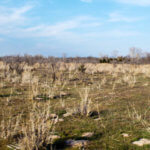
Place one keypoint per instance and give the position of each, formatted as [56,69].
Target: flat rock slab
[64,94]
[87,134]
[93,114]
[38,98]
[97,119]
[54,137]
[142,142]
[67,115]
[125,135]
[77,143]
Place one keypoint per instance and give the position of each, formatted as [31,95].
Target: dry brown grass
[33,126]
[32,132]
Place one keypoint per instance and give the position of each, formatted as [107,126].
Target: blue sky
[73,27]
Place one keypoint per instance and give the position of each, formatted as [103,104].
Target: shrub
[82,68]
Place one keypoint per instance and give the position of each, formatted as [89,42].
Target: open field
[74,106]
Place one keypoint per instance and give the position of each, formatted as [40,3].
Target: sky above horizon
[73,27]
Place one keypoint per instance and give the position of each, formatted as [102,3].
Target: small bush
[104,60]
[82,68]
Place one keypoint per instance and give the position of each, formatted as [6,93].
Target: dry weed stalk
[136,116]
[33,132]
[130,80]
[37,129]
[26,77]
[85,104]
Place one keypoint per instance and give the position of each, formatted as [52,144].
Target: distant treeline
[41,59]
[136,56]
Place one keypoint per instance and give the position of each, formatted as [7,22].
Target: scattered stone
[54,137]
[53,116]
[63,94]
[97,119]
[60,120]
[19,93]
[146,84]
[38,98]
[77,143]
[67,115]
[88,134]
[142,142]
[93,113]
[125,135]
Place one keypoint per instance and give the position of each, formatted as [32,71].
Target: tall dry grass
[31,132]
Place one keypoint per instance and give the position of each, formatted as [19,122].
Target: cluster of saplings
[114,60]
